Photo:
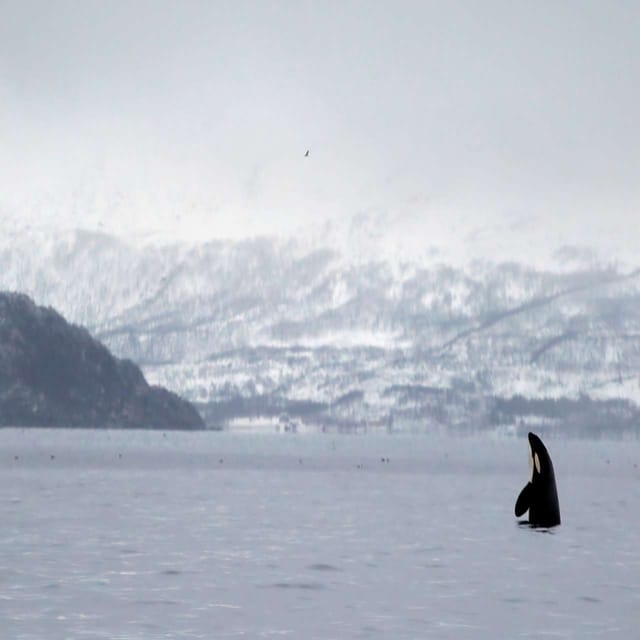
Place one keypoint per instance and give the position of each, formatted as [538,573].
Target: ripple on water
[515,600]
[590,599]
[304,586]
[322,566]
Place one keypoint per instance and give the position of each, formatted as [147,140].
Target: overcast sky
[199,114]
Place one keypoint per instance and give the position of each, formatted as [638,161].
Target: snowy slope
[299,320]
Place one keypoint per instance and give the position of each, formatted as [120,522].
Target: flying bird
[306,155]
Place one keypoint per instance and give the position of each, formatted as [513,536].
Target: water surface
[130,535]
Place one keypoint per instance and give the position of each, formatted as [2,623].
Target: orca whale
[539,496]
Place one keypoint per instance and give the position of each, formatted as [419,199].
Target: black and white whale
[540,495]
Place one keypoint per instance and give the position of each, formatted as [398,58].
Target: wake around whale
[539,496]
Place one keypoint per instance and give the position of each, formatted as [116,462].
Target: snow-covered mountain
[272,326]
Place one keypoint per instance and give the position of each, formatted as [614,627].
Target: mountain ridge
[268,318]
[55,374]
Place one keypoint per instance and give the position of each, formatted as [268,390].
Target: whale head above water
[540,495]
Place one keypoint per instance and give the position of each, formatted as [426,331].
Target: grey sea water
[131,535]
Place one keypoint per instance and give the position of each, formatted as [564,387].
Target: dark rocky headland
[54,374]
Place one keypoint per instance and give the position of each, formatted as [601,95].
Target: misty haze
[285,285]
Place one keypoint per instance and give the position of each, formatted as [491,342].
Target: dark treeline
[419,407]
[582,416]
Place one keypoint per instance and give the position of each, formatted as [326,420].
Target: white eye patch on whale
[540,495]
[534,463]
